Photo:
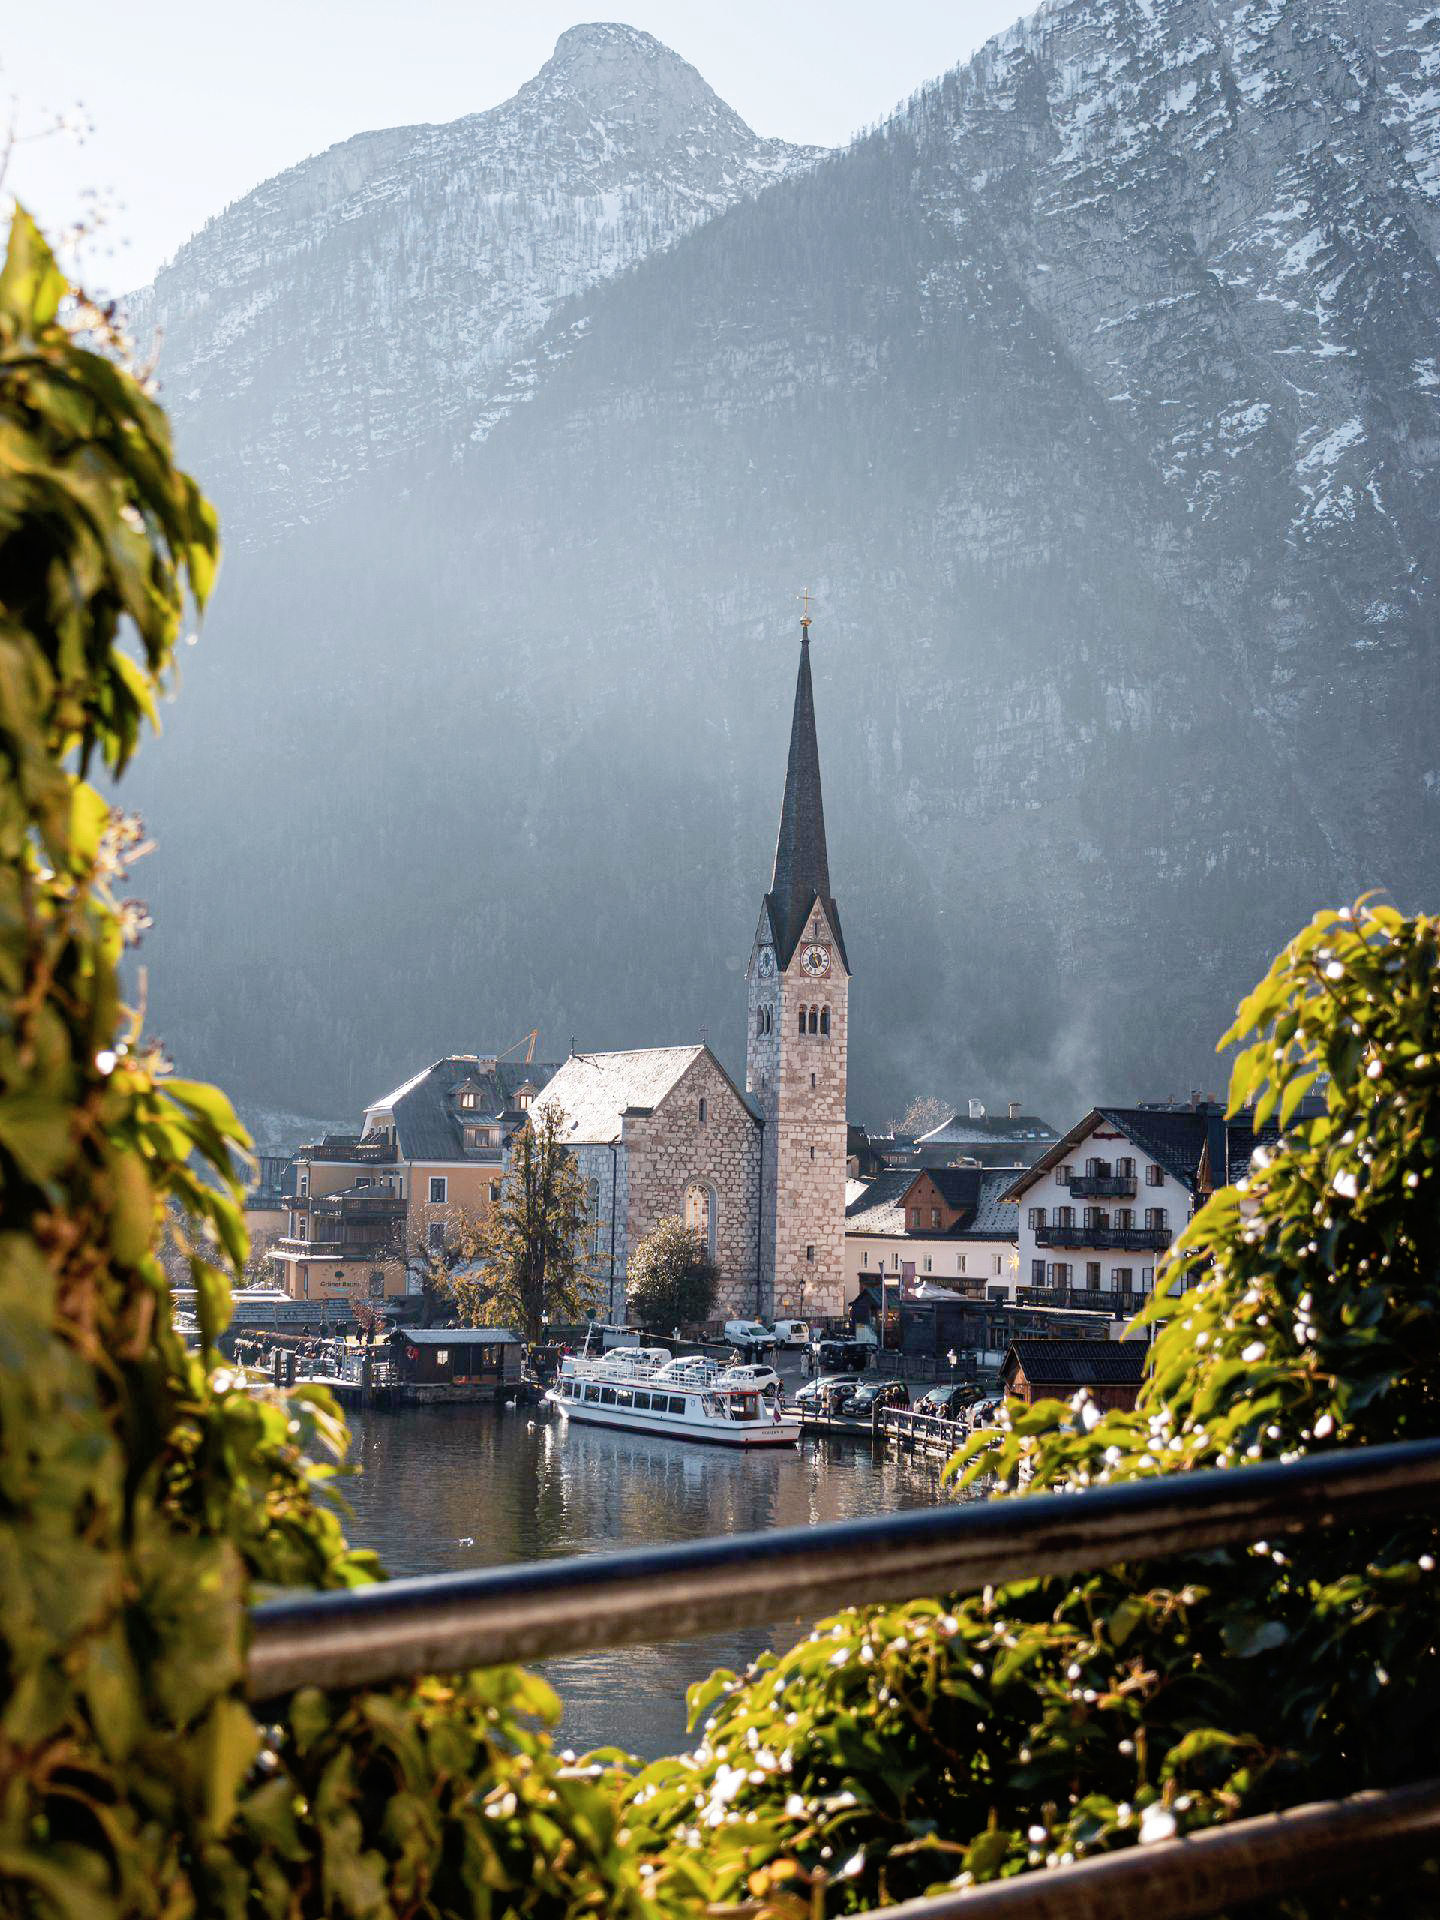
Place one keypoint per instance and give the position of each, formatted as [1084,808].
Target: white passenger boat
[644,1390]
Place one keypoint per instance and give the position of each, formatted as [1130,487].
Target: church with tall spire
[798,984]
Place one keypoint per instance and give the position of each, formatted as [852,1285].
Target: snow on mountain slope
[391,291]
[1098,396]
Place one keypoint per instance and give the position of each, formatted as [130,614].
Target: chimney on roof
[1014,1109]
[977,1109]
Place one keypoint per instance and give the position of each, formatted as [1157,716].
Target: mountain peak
[606,64]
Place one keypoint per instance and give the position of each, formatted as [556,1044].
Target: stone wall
[799,1081]
[672,1148]
[608,1170]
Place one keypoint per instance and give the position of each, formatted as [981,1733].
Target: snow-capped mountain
[1097,395]
[392,291]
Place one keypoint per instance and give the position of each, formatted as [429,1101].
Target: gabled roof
[978,1193]
[802,863]
[880,1208]
[459,1336]
[1173,1137]
[1078,1363]
[428,1119]
[596,1090]
[963,1129]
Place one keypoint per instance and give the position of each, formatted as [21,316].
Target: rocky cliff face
[1096,395]
[392,292]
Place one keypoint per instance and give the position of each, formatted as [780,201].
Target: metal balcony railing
[1103,1186]
[1121,1305]
[378,1634]
[1111,1239]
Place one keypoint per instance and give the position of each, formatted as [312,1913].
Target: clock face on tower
[767,962]
[815,961]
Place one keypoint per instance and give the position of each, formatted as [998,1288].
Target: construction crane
[526,1040]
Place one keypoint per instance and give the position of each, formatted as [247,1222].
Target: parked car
[792,1333]
[851,1356]
[984,1412]
[753,1375]
[832,1393]
[878,1393]
[950,1401]
[749,1337]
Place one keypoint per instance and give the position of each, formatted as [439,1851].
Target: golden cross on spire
[804,599]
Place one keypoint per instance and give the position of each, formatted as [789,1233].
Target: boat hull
[771,1433]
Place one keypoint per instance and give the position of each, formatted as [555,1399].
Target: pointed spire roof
[802,866]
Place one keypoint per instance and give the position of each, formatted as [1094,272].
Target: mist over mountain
[1096,397]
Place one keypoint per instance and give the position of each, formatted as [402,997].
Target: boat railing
[374,1635]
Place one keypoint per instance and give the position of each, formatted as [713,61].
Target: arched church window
[825,1020]
[802,1019]
[700,1212]
[704,1110]
[814,1020]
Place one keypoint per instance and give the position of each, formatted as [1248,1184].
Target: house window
[825,1020]
[1154,1176]
[913,1216]
[1147,1279]
[999,1263]
[1125,1218]
[467,1099]
[304,1233]
[1037,1273]
[442,1356]
[1125,1168]
[1157,1217]
[439,1186]
[1122,1279]
[1035,1217]
[304,1185]
[435,1236]
[494,1191]
[1060,1273]
[810,1254]
[960,1263]
[927,1263]
[522,1100]
[1092,1273]
[704,1111]
[802,1019]
[1065,1216]
[1064,1175]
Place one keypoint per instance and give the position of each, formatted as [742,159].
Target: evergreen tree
[530,1251]
[672,1279]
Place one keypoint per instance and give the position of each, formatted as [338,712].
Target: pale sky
[192,106]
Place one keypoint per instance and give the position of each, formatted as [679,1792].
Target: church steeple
[802,867]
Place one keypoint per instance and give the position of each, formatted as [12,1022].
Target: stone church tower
[799,988]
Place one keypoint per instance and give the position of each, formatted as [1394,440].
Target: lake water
[447,1488]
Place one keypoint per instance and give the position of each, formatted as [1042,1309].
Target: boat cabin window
[745,1406]
[622,1396]
[607,1396]
[592,1393]
[677,1403]
[642,1402]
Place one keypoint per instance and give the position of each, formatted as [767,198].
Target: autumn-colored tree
[529,1260]
[672,1280]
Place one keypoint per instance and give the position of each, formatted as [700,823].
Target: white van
[792,1333]
[748,1335]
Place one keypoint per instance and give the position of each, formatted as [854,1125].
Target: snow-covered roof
[594,1090]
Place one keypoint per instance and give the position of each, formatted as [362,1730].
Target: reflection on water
[445,1488]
